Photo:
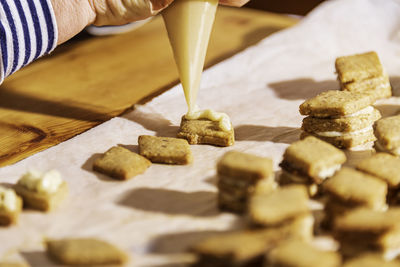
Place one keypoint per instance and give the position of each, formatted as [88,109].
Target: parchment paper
[157,215]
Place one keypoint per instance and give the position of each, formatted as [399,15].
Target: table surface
[92,79]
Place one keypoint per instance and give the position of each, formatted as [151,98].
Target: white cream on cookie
[368,110]
[343,134]
[47,182]
[8,199]
[222,118]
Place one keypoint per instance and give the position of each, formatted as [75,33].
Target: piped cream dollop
[8,199]
[47,182]
[209,114]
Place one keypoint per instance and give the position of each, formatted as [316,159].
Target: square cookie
[365,119]
[390,173]
[358,67]
[313,158]
[296,253]
[42,191]
[387,132]
[370,260]
[279,206]
[10,206]
[204,131]
[335,103]
[120,163]
[165,149]
[244,248]
[244,166]
[42,201]
[378,87]
[355,187]
[85,251]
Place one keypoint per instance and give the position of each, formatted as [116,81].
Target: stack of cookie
[365,230]
[287,207]
[309,162]
[363,73]
[342,118]
[390,174]
[349,189]
[241,175]
[10,206]
[387,132]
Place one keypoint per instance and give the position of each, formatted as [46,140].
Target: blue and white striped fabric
[28,30]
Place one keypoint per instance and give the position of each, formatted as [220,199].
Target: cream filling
[47,182]
[8,199]
[368,110]
[208,114]
[394,151]
[342,134]
[323,174]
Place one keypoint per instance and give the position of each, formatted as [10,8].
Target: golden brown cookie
[313,158]
[204,131]
[358,67]
[357,188]
[384,166]
[335,103]
[281,205]
[387,132]
[165,149]
[244,166]
[120,163]
[42,201]
[10,206]
[85,251]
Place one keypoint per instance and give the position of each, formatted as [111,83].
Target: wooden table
[92,79]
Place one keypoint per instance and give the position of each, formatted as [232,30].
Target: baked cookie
[363,73]
[335,103]
[354,187]
[348,140]
[279,206]
[120,163]
[387,132]
[165,149]
[390,173]
[42,191]
[203,131]
[244,248]
[364,119]
[244,166]
[312,159]
[358,67]
[241,175]
[10,206]
[296,253]
[85,251]
[365,230]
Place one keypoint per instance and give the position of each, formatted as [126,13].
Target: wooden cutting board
[92,79]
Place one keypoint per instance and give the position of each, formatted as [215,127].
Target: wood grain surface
[92,79]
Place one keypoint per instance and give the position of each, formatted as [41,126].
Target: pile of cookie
[345,118]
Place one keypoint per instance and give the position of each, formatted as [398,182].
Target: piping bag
[189,24]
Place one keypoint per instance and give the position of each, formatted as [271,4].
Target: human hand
[118,12]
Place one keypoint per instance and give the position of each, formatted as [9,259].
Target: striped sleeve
[28,30]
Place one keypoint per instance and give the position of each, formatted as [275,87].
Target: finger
[236,3]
